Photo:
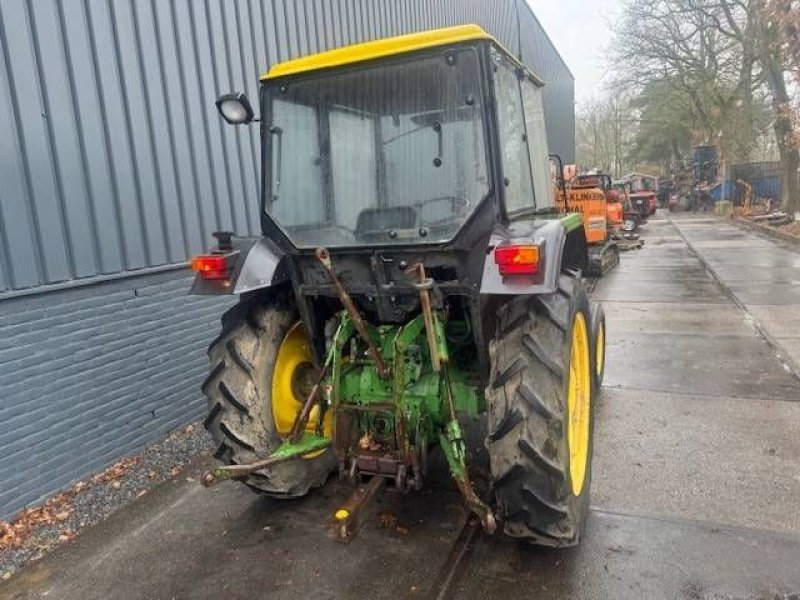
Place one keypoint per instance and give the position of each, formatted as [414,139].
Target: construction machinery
[614,203]
[593,197]
[412,272]
[630,217]
[631,214]
[644,194]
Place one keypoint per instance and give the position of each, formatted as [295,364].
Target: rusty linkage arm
[312,399]
[452,439]
[454,450]
[361,326]
[307,444]
[424,285]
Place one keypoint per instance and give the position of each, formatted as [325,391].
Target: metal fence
[764,177]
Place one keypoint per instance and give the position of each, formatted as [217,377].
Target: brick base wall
[92,373]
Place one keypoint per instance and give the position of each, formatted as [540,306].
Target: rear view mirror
[235,108]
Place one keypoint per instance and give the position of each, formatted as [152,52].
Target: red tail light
[211,266]
[517,259]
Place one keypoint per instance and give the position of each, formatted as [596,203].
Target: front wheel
[541,396]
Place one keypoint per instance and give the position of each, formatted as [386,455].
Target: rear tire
[529,450]
[238,389]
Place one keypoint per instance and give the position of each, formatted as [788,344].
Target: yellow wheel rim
[578,404]
[600,352]
[292,380]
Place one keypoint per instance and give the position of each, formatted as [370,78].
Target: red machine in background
[644,194]
[631,217]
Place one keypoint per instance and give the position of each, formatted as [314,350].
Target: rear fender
[552,236]
[258,265]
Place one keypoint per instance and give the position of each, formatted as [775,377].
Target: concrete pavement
[761,274]
[696,471]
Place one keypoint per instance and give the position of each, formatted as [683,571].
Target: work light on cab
[517,259]
[235,108]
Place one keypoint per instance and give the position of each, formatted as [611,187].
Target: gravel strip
[100,498]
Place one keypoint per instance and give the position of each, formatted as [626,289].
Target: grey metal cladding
[112,157]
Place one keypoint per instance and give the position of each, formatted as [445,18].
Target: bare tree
[778,31]
[692,46]
[719,60]
[604,132]
[767,35]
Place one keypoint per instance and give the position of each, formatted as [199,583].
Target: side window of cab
[517,180]
[533,107]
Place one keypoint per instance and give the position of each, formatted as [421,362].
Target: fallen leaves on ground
[63,515]
[66,535]
[791,228]
[388,520]
[117,470]
[57,509]
[778,223]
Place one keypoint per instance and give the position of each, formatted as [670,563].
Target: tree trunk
[749,41]
[769,57]
[790,157]
[791,199]
[745,145]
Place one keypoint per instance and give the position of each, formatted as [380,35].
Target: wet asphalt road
[696,490]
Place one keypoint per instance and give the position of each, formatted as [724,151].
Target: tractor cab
[387,153]
[388,149]
[383,154]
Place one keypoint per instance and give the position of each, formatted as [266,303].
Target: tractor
[413,272]
[644,194]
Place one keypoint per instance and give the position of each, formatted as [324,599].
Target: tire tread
[527,416]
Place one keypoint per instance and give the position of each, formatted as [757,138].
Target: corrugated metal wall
[112,157]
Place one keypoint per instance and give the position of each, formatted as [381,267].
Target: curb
[767,230]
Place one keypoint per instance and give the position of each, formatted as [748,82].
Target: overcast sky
[580,32]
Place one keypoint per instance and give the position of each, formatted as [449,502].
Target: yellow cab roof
[378,49]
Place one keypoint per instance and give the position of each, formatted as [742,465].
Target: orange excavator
[594,197]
